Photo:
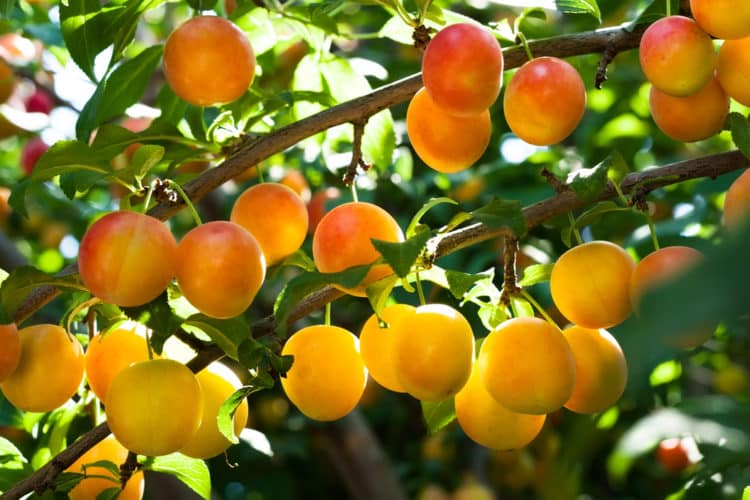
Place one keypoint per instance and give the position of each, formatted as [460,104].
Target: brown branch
[357,162]
[44,478]
[510,283]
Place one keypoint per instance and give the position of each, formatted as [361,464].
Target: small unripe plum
[220,268]
[275,215]
[462,69]
[725,19]
[733,69]
[32,151]
[737,201]
[544,101]
[343,240]
[590,284]
[660,267]
[127,258]
[445,142]
[677,56]
[690,118]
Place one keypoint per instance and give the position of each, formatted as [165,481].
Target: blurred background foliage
[313,55]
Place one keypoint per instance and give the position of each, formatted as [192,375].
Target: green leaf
[655,9]
[459,283]
[201,5]
[109,494]
[66,481]
[413,226]
[281,364]
[111,467]
[502,213]
[438,415]
[126,24]
[589,183]
[301,260]
[580,7]
[158,316]
[740,127]
[250,353]
[225,417]
[145,158]
[303,285]
[536,273]
[119,90]
[23,280]
[529,13]
[191,471]
[88,29]
[228,334]
[402,256]
[379,292]
[6,7]
[491,315]
[13,465]
[521,307]
[746,493]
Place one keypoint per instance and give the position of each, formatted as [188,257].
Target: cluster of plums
[691,85]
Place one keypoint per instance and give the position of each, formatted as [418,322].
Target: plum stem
[197,218]
[574,229]
[539,308]
[420,291]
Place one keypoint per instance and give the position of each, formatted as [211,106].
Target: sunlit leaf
[438,415]
[191,471]
[225,417]
[502,214]
[401,256]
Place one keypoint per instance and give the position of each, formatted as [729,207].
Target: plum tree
[441,181]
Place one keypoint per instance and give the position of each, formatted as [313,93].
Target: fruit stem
[669,8]
[80,307]
[538,307]
[353,187]
[149,194]
[148,345]
[525,44]
[328,314]
[652,230]
[197,218]
[576,233]
[420,291]
[258,169]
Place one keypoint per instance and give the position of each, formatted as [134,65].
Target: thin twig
[510,283]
